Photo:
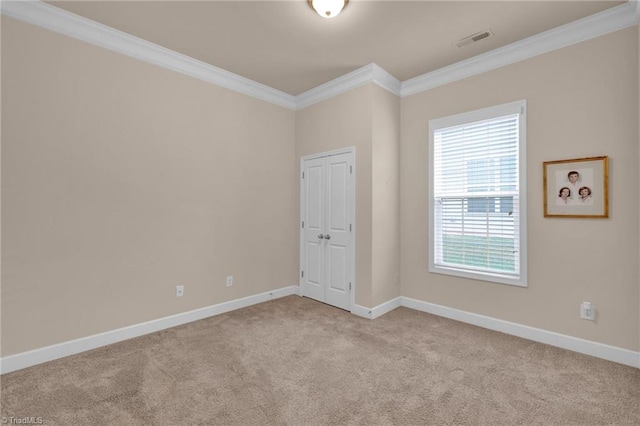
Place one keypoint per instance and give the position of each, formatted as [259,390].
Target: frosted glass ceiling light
[328,8]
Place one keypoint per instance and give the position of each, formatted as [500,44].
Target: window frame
[517,107]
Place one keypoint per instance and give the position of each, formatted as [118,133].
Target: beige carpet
[294,361]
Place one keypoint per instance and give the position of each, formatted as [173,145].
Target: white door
[327,209]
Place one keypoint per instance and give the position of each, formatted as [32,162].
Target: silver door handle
[320,236]
[327,237]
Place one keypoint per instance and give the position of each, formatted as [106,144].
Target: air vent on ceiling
[475,37]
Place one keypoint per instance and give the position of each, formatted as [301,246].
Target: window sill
[478,275]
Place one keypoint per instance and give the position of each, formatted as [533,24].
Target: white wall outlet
[179,290]
[229,281]
[587,311]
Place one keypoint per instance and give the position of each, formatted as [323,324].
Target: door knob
[327,237]
[320,236]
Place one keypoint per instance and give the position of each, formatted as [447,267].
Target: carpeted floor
[293,361]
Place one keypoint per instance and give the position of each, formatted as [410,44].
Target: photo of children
[576,188]
[573,187]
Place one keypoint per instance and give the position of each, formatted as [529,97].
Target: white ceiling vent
[475,37]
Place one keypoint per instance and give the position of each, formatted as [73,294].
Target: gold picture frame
[576,188]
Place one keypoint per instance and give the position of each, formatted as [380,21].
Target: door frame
[351,195]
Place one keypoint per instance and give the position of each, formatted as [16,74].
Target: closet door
[327,259]
[313,220]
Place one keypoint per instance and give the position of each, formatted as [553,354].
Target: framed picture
[576,188]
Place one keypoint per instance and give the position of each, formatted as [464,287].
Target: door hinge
[302,274]
[303,223]
[350,228]
[349,286]
[302,175]
[351,169]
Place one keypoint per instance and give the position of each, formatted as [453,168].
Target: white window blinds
[476,197]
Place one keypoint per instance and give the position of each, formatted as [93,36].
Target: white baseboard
[378,311]
[61,350]
[361,311]
[385,307]
[598,350]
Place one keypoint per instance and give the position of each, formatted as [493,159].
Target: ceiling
[285,45]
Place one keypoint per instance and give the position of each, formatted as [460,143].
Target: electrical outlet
[179,290]
[229,281]
[587,311]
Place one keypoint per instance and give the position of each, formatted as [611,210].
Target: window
[477,194]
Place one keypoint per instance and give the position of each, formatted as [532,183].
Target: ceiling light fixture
[328,8]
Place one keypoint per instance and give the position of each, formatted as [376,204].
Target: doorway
[327,210]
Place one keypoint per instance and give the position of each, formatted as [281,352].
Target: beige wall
[0,191]
[342,121]
[121,180]
[369,119]
[386,196]
[582,101]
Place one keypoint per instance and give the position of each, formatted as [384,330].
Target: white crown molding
[52,18]
[385,80]
[593,26]
[58,20]
[575,344]
[371,73]
[49,353]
